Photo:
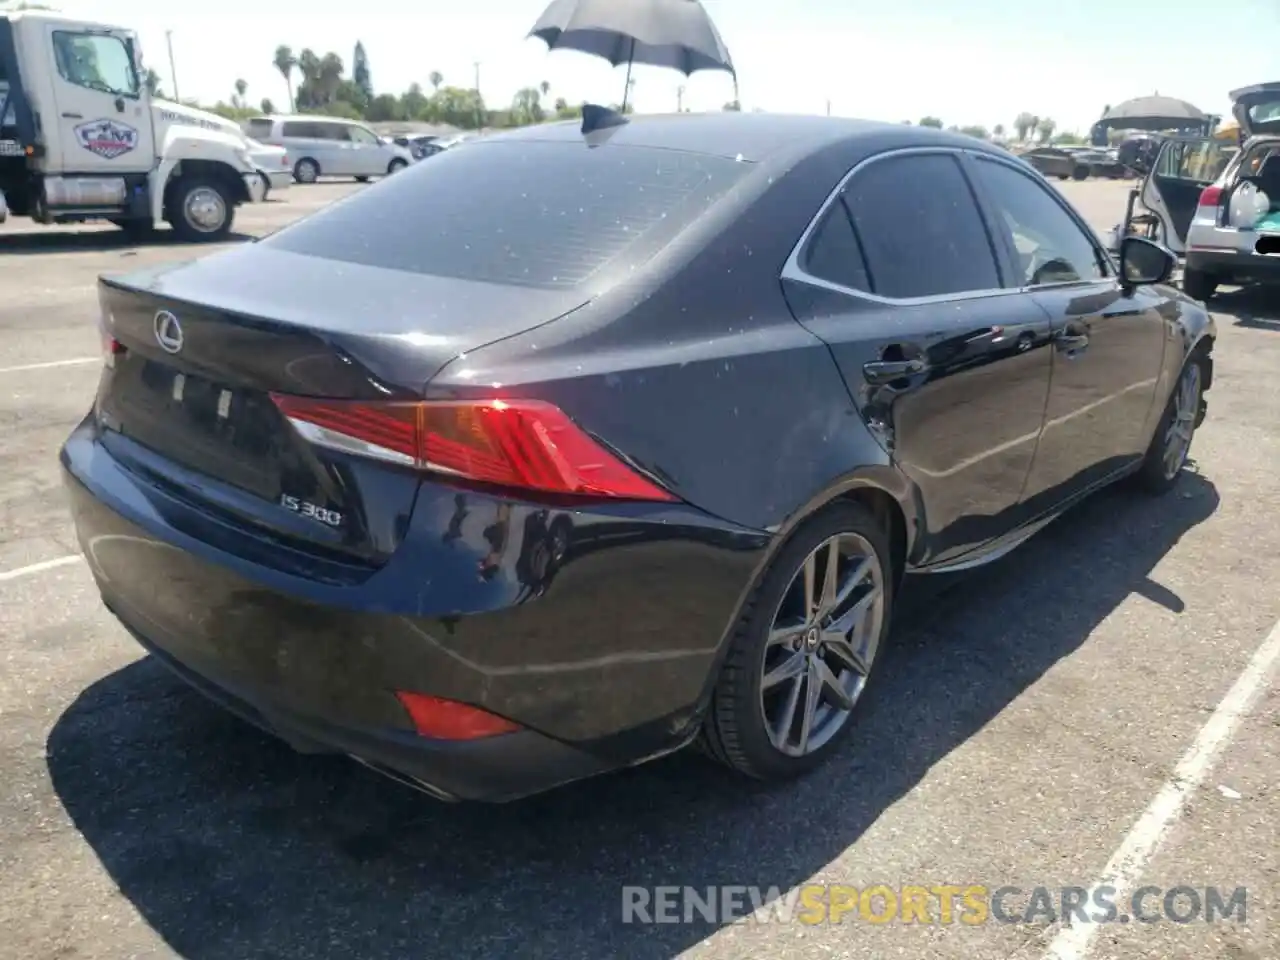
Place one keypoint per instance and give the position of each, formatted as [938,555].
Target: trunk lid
[1257,109]
[185,400]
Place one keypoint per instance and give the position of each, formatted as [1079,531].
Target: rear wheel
[1198,285]
[1171,445]
[804,648]
[395,166]
[1080,173]
[199,209]
[306,170]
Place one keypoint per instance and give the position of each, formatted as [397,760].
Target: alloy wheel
[1177,436]
[822,643]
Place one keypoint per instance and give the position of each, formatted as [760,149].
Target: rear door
[1183,168]
[948,366]
[1108,344]
[103,120]
[367,152]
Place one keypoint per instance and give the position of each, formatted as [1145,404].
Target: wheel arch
[884,492]
[213,170]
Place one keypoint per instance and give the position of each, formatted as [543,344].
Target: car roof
[746,136]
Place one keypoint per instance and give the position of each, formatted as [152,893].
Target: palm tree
[436,78]
[285,62]
[331,67]
[998,130]
[151,80]
[241,87]
[309,69]
[1023,125]
[544,87]
[1045,129]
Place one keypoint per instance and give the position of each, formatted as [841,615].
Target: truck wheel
[200,211]
[306,170]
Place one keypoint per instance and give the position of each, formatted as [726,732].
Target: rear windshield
[521,213]
[260,129]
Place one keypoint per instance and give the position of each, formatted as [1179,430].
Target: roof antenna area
[596,117]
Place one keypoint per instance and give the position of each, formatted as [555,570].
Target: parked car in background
[499,502]
[1057,162]
[273,163]
[330,147]
[1219,203]
[426,145]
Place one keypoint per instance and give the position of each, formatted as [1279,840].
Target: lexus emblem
[168,332]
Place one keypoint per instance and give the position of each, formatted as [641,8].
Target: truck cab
[81,138]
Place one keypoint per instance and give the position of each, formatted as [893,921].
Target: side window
[362,136]
[96,61]
[294,128]
[333,131]
[260,129]
[921,232]
[833,253]
[1170,160]
[1050,246]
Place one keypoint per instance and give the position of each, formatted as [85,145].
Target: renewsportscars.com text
[970,905]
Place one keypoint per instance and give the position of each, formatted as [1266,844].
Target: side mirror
[1145,261]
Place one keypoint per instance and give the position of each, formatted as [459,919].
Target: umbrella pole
[626,90]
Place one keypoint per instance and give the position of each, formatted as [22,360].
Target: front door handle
[74,116]
[886,371]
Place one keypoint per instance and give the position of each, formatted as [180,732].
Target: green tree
[931,122]
[998,130]
[360,71]
[383,107]
[286,63]
[1024,124]
[309,70]
[151,81]
[1045,128]
[238,99]
[526,107]
[976,131]
[435,78]
[733,106]
[266,106]
[415,105]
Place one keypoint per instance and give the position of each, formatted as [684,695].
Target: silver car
[1218,203]
[330,147]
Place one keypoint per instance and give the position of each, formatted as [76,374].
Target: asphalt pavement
[1098,706]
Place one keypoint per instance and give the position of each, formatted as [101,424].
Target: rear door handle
[886,371]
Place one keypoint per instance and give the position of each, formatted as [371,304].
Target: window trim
[133,65]
[1105,263]
[794,270]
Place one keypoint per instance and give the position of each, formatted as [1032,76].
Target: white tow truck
[81,138]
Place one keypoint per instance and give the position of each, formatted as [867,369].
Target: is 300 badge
[311,511]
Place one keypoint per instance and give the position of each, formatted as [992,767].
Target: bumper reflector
[449,720]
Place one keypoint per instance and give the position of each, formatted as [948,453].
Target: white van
[330,147]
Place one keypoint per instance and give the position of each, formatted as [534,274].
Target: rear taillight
[1211,196]
[526,444]
[111,347]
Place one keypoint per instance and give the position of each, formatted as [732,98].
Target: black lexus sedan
[621,438]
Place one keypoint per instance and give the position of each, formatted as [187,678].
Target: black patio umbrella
[662,33]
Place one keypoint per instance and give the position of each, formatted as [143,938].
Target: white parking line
[1127,864]
[52,363]
[39,567]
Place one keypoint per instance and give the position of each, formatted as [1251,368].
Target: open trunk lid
[1257,109]
[186,396]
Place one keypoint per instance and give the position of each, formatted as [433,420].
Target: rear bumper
[1231,267]
[604,664]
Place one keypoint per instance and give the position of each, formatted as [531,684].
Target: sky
[964,61]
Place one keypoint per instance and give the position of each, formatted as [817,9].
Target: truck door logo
[106,138]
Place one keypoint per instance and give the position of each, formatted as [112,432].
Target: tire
[362,179]
[1198,285]
[1063,176]
[1162,466]
[306,170]
[735,731]
[395,166]
[200,209]
[1080,173]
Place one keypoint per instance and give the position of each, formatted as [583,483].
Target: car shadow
[229,844]
[1256,307]
[71,241]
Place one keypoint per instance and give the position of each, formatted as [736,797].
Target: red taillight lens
[512,443]
[449,720]
[1211,196]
